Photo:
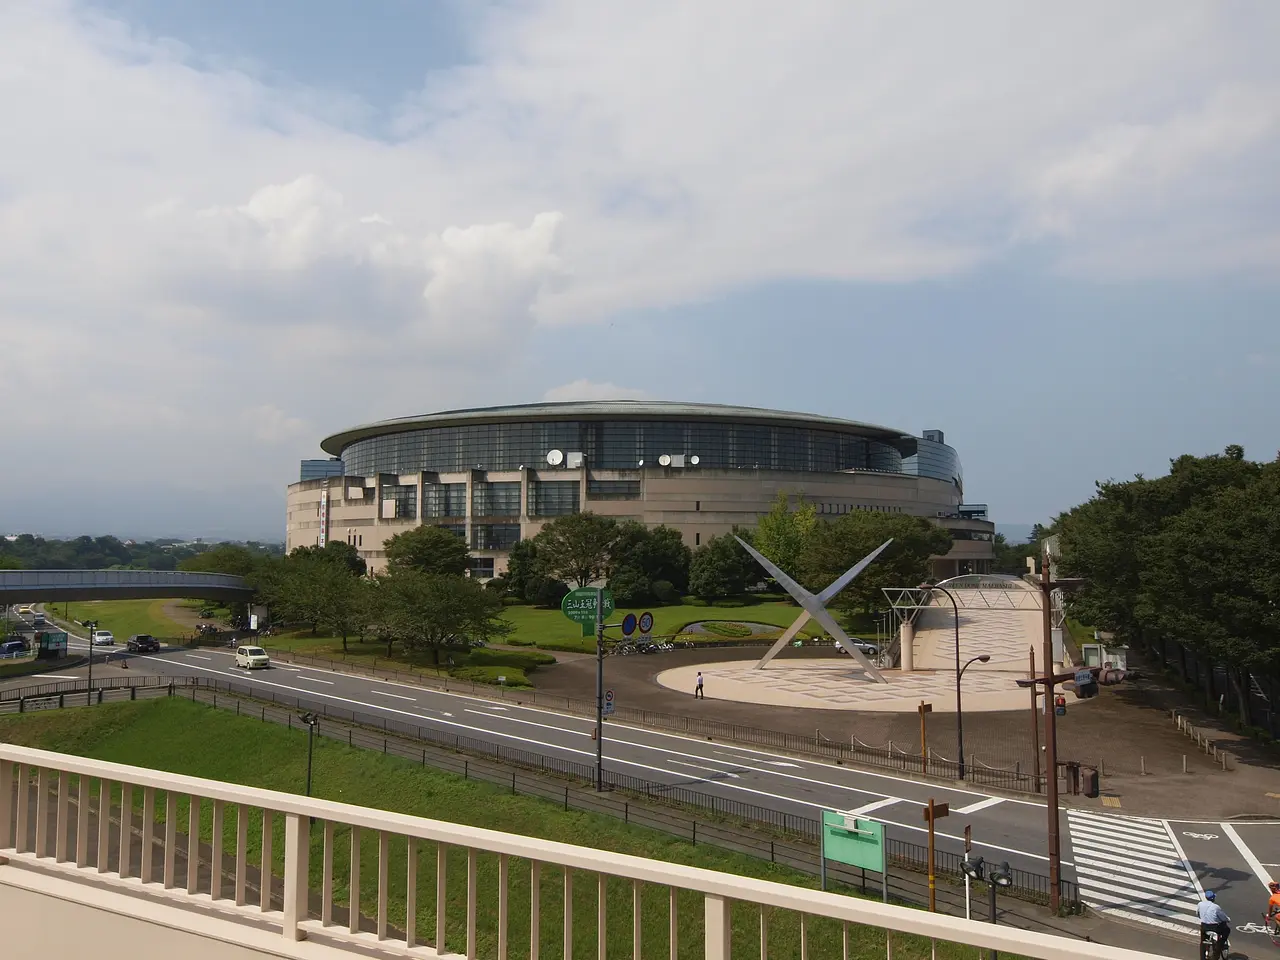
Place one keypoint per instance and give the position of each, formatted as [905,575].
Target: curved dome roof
[605,410]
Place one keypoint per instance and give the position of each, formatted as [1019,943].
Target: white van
[252,658]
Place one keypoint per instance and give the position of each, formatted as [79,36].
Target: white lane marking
[875,805]
[381,693]
[631,763]
[317,680]
[980,805]
[698,766]
[782,760]
[1259,869]
[289,669]
[196,656]
[1133,869]
[1182,854]
[499,709]
[55,676]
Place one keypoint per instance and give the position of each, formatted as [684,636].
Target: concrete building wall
[699,503]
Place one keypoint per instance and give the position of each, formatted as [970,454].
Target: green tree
[432,611]
[835,547]
[224,558]
[429,549]
[720,569]
[337,552]
[344,605]
[522,567]
[577,548]
[783,534]
[630,587]
[1011,558]
[1211,578]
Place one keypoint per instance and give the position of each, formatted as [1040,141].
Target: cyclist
[1273,904]
[1213,917]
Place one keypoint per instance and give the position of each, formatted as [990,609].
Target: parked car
[103,638]
[252,658]
[866,649]
[12,648]
[143,643]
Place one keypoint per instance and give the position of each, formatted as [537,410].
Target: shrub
[726,628]
[547,593]
[520,641]
[521,659]
[665,592]
[515,676]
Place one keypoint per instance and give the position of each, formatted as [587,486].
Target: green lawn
[122,617]
[181,737]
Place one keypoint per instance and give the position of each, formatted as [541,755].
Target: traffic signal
[1060,705]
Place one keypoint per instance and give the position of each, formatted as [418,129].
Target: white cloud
[190,241]
[584,389]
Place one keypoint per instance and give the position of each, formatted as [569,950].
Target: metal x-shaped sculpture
[814,605]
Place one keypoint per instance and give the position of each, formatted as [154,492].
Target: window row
[625,444]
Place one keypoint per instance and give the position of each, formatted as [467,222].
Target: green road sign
[849,840]
[580,607]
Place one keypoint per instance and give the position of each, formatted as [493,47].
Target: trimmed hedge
[520,659]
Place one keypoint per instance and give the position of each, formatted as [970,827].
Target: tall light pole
[90,626]
[959,716]
[310,719]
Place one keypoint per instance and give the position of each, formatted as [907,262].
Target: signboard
[628,624]
[53,645]
[580,607]
[646,622]
[608,709]
[608,696]
[854,842]
[323,537]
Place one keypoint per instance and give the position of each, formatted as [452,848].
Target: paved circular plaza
[842,685]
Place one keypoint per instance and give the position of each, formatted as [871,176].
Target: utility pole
[1050,736]
[90,626]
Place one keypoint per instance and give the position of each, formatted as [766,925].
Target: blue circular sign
[628,624]
[646,622]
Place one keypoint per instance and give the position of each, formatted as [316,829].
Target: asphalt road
[1143,870]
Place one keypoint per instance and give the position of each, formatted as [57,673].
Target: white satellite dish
[665,460]
[555,457]
[694,459]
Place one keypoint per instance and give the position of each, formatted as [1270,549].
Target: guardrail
[457,882]
[439,749]
[815,746]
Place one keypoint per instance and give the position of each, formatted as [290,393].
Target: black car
[143,643]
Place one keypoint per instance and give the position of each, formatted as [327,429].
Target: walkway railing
[411,882]
[794,837]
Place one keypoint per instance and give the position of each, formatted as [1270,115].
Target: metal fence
[784,838]
[817,745]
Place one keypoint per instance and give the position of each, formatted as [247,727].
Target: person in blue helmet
[1213,917]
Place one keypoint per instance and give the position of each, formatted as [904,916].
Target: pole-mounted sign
[580,607]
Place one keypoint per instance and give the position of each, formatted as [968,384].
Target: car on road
[143,643]
[11,649]
[252,658]
[24,610]
[103,638]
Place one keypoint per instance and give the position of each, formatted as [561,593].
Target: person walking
[697,688]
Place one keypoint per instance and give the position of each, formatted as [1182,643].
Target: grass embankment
[182,737]
[122,617]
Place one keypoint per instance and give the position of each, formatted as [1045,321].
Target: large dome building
[495,475]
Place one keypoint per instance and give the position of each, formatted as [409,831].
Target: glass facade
[494,536]
[495,499]
[623,444]
[554,498]
[405,499]
[444,500]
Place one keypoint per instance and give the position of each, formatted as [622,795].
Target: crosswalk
[1131,868]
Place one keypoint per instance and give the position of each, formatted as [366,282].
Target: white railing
[210,844]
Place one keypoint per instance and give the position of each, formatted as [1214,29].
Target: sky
[230,229]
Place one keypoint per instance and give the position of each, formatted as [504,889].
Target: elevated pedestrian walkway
[999,617]
[44,586]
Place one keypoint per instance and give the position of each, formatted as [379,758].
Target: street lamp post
[959,671]
[310,719]
[981,658]
[90,626]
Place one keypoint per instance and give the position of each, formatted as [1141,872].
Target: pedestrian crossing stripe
[1130,868]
